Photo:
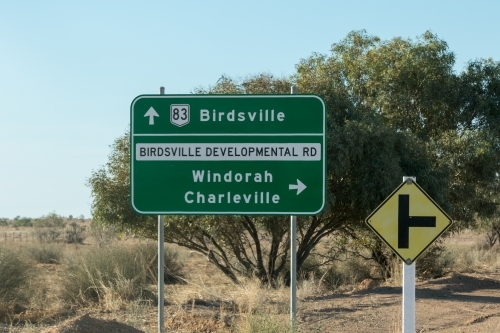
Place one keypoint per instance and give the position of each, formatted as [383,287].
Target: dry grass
[119,282]
[112,276]
[474,257]
[45,253]
[345,275]
[15,272]
[248,307]
[396,322]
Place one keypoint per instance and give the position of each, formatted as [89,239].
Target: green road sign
[227,154]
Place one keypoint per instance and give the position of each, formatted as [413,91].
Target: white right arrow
[299,187]
[151,114]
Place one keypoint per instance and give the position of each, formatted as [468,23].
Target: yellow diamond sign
[408,221]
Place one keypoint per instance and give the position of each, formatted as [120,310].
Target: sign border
[387,243]
[132,150]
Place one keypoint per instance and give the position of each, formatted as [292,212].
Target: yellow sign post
[408,221]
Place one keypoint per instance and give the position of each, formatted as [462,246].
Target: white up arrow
[299,187]
[151,114]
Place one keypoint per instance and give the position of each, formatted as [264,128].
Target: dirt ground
[454,303]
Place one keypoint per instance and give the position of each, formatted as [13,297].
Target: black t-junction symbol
[405,221]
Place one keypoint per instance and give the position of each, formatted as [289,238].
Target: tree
[479,96]
[413,87]
[392,110]
[364,157]
[110,186]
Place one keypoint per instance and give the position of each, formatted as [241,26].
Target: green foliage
[257,84]
[394,108]
[110,186]
[15,272]
[22,222]
[473,161]
[411,86]
[479,96]
[4,222]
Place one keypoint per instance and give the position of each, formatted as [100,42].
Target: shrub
[48,235]
[87,274]
[102,235]
[48,229]
[4,222]
[349,272]
[311,267]
[74,234]
[173,265]
[101,274]
[22,222]
[491,228]
[469,257]
[46,253]
[15,272]
[52,220]
[435,262]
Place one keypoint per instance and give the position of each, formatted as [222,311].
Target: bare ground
[454,303]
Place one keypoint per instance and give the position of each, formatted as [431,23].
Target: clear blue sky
[70,69]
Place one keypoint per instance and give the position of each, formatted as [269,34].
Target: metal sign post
[293,270]
[161,272]
[408,298]
[408,315]
[293,259]
[161,268]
